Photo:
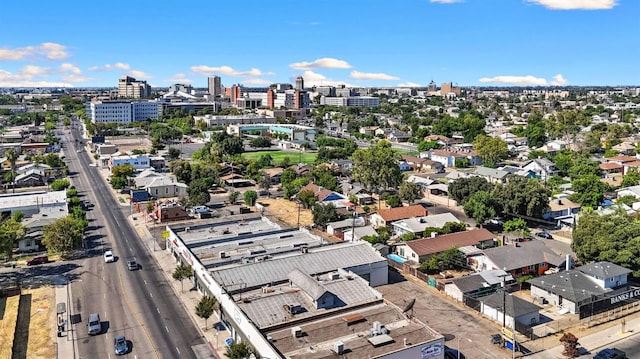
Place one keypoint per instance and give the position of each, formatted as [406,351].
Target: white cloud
[179,78]
[315,79]
[372,76]
[558,80]
[256,81]
[408,84]
[49,50]
[66,67]
[515,80]
[228,71]
[137,74]
[25,78]
[446,1]
[108,67]
[74,78]
[323,63]
[576,4]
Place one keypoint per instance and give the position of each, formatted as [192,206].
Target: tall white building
[128,87]
[121,111]
[355,101]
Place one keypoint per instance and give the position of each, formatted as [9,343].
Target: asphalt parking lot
[457,323]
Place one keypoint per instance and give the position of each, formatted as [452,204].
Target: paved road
[138,304]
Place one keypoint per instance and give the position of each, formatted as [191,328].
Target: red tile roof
[441,243]
[609,166]
[398,213]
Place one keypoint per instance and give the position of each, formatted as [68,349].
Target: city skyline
[355,43]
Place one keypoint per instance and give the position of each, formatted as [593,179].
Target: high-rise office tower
[215,86]
[128,87]
[299,83]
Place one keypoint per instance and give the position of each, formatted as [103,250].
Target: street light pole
[469,340]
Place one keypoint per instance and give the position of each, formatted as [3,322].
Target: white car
[108,257]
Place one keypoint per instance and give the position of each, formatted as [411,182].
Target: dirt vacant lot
[287,212]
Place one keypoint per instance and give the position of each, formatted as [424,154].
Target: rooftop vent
[338,347]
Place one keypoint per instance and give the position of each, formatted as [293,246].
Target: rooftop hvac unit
[377,326]
[338,347]
[223,254]
[304,250]
[334,276]
[296,332]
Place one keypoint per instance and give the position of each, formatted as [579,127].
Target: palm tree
[12,156]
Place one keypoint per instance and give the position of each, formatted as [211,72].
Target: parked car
[496,339]
[545,235]
[610,353]
[120,344]
[108,257]
[132,264]
[41,259]
[450,353]
[94,326]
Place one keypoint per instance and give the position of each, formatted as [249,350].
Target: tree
[570,343]
[393,201]
[60,184]
[233,196]
[516,225]
[377,167]
[324,213]
[205,308]
[428,145]
[521,196]
[588,191]
[174,153]
[198,191]
[260,142]
[264,182]
[480,206]
[491,149]
[182,170]
[287,176]
[631,178]
[181,273]
[307,198]
[240,350]
[63,235]
[118,182]
[124,170]
[250,198]
[409,191]
[608,237]
[461,189]
[453,227]
[11,232]
[12,156]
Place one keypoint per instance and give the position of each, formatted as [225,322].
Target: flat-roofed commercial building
[274,282]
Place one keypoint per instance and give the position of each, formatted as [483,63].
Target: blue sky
[359,43]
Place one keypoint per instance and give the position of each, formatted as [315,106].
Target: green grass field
[277,156]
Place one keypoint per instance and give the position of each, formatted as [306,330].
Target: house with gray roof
[313,288]
[493,175]
[522,258]
[417,225]
[509,309]
[542,167]
[571,289]
[476,285]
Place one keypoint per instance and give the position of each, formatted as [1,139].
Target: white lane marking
[127,240]
[105,296]
[130,250]
[158,310]
[178,350]
[151,295]
[145,281]
[167,328]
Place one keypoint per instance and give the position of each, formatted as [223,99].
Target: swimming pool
[396,258]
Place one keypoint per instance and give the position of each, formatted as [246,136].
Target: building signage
[431,351]
[631,294]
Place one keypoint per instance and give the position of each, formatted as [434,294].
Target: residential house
[518,171]
[418,225]
[357,233]
[476,285]
[157,162]
[522,258]
[45,169]
[625,161]
[168,211]
[552,147]
[625,148]
[166,187]
[274,174]
[609,168]
[323,194]
[493,175]
[404,166]
[398,136]
[32,241]
[629,191]
[513,311]
[421,249]
[339,226]
[423,164]
[358,190]
[385,217]
[561,210]
[301,169]
[443,141]
[542,167]
[578,290]
[31,178]
[448,158]
[342,165]
[368,130]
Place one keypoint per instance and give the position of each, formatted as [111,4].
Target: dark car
[120,344]
[610,353]
[38,260]
[450,353]
[496,339]
[545,235]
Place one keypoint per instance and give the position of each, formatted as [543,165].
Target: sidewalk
[592,343]
[215,334]
[65,343]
